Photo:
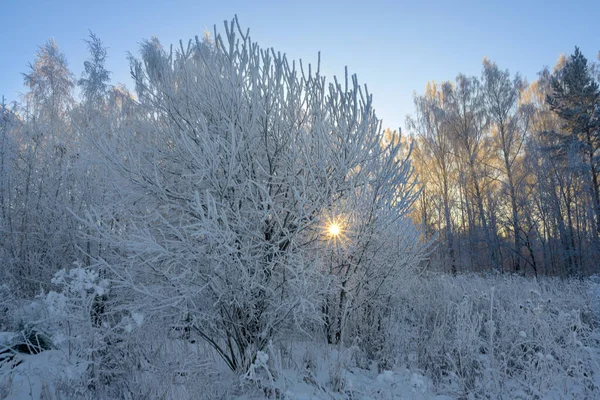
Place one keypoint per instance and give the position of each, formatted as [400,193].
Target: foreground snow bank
[40,376]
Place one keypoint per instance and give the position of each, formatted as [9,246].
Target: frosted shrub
[79,320]
[243,160]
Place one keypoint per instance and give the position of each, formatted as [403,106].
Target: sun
[334,229]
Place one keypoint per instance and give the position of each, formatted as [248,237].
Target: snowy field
[449,338]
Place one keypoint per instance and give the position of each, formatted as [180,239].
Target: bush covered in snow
[245,162]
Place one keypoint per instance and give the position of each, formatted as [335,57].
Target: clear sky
[395,47]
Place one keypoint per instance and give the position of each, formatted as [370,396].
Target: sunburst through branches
[336,230]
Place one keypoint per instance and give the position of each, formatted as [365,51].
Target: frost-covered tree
[10,124]
[95,79]
[467,123]
[50,83]
[243,163]
[436,145]
[510,121]
[41,189]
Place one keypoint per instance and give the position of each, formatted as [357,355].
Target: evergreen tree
[575,98]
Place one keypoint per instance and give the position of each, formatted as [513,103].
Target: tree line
[509,170]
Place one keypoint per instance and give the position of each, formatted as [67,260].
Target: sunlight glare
[334,229]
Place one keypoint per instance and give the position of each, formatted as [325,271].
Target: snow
[36,376]
[300,370]
[138,318]
[5,338]
[359,384]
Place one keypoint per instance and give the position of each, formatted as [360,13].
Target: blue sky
[395,47]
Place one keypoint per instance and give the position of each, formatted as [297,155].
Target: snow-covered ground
[37,377]
[361,385]
[545,345]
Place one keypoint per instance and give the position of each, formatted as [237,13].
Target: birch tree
[510,120]
[436,143]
